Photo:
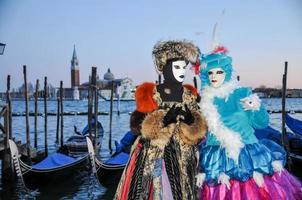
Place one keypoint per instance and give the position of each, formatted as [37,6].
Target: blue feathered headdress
[217,58]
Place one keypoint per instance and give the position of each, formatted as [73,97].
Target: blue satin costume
[255,155]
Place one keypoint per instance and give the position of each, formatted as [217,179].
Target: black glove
[188,118]
[171,115]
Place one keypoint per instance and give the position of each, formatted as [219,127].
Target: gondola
[109,172]
[293,124]
[53,168]
[294,141]
[77,145]
[294,163]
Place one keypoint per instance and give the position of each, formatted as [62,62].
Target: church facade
[122,87]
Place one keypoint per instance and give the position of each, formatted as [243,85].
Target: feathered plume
[215,39]
[215,42]
[220,49]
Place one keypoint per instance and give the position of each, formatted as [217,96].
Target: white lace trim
[230,140]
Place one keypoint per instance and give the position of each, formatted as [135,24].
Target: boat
[77,145]
[54,168]
[293,124]
[294,163]
[120,99]
[109,172]
[295,141]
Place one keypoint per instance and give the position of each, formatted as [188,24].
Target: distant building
[122,87]
[75,71]
[294,93]
[261,94]
[75,76]
[277,93]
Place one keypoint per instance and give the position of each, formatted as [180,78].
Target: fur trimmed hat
[164,51]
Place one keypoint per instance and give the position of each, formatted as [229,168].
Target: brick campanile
[75,71]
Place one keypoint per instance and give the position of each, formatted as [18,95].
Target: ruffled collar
[221,92]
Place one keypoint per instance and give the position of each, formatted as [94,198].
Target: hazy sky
[260,35]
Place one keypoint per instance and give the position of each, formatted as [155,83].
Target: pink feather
[220,49]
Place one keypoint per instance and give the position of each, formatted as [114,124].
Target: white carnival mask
[216,77]
[179,70]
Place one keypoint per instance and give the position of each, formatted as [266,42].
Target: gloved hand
[187,116]
[251,102]
[171,115]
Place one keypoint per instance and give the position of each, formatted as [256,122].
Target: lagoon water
[83,185]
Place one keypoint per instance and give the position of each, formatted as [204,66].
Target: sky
[260,35]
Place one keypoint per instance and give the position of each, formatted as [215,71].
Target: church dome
[108,75]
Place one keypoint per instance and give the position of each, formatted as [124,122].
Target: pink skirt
[276,187]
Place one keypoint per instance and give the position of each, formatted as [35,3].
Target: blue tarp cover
[126,143]
[119,159]
[268,133]
[273,134]
[53,161]
[294,124]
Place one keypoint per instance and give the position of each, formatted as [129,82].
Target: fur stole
[193,133]
[153,129]
[144,98]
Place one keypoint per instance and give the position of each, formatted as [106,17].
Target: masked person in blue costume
[234,164]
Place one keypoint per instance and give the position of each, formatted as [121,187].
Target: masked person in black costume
[163,161]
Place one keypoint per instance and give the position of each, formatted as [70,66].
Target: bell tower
[75,71]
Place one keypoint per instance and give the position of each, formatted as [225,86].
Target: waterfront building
[75,76]
[123,88]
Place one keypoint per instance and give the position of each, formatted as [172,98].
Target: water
[84,185]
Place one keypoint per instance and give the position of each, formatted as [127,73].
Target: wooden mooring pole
[6,128]
[285,141]
[284,77]
[110,121]
[45,116]
[26,116]
[36,114]
[62,112]
[9,103]
[58,119]
[118,104]
[90,99]
[6,164]
[96,105]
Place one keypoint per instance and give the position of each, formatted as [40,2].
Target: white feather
[200,177]
[230,140]
[224,179]
[214,37]
[278,166]
[258,177]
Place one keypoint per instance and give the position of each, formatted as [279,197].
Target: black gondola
[295,147]
[108,173]
[53,168]
[77,145]
[293,124]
